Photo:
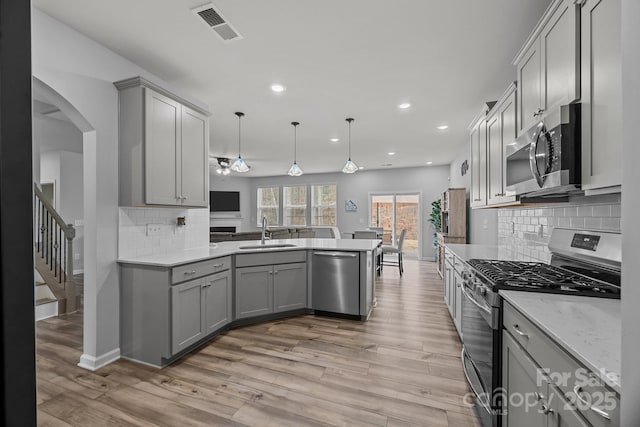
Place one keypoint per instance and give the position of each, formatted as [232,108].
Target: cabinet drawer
[199,269]
[270,258]
[563,370]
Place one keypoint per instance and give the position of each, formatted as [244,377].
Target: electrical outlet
[541,230]
[513,227]
[154,230]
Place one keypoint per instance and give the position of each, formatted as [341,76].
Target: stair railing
[54,243]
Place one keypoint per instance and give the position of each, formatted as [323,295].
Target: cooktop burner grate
[532,276]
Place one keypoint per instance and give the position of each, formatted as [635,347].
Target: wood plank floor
[401,368]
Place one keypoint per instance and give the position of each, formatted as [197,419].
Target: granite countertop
[587,328]
[216,250]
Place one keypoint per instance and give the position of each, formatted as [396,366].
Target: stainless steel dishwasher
[336,282]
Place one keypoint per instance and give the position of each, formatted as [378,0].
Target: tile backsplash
[150,231]
[524,232]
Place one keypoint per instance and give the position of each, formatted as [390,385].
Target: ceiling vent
[214,20]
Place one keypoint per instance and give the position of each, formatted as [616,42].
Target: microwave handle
[533,150]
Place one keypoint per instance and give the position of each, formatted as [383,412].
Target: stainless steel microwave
[545,160]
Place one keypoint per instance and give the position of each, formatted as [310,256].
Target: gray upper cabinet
[289,287]
[478,137]
[501,131]
[548,64]
[164,147]
[601,96]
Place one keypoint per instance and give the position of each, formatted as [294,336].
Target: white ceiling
[337,58]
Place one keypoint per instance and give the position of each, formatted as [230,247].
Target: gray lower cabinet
[270,289]
[198,308]
[544,386]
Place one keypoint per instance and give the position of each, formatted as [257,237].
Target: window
[268,205]
[294,205]
[323,204]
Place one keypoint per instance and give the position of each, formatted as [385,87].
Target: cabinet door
[479,164]
[218,311]
[529,76]
[601,95]
[254,291]
[448,278]
[289,286]
[520,381]
[563,414]
[187,314]
[559,47]
[457,291]
[162,135]
[494,159]
[194,153]
[509,130]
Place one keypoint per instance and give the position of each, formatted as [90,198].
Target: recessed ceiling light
[404,105]
[277,88]
[334,140]
[360,167]
[443,127]
[429,163]
[391,153]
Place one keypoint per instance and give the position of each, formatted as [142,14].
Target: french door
[395,212]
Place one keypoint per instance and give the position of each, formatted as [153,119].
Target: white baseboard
[93,363]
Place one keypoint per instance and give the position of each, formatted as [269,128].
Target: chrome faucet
[264,229]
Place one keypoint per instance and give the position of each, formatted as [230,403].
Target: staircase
[55,291]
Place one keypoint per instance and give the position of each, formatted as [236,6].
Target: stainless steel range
[584,263]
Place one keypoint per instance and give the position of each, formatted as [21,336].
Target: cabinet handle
[275,272]
[538,112]
[271,273]
[208,285]
[577,390]
[517,330]
[190,273]
[218,265]
[546,410]
[477,200]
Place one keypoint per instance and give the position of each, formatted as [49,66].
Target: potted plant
[435,220]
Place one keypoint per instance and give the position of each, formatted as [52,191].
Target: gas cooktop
[535,276]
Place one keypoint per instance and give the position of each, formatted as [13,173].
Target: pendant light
[295,169]
[350,167]
[239,165]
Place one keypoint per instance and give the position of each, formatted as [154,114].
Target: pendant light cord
[349,120]
[239,137]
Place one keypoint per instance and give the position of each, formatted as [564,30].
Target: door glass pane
[408,217]
[382,215]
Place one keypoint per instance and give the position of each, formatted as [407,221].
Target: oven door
[478,354]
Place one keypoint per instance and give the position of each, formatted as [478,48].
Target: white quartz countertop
[467,252]
[220,249]
[587,328]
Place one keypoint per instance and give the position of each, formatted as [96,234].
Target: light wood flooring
[401,368]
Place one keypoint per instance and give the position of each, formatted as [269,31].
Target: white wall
[65,170]
[239,183]
[482,223]
[630,209]
[82,73]
[430,182]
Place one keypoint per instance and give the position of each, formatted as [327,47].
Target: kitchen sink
[269,246]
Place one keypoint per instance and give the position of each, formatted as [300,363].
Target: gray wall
[630,209]
[430,182]
[482,223]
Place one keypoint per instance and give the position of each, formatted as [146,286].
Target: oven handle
[476,303]
[482,401]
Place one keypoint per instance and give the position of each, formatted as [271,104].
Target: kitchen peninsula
[171,303]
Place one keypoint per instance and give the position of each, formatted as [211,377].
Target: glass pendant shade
[350,166]
[239,165]
[295,170]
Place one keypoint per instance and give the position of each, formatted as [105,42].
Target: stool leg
[400,263]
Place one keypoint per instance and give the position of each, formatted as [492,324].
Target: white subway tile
[602,210]
[594,223]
